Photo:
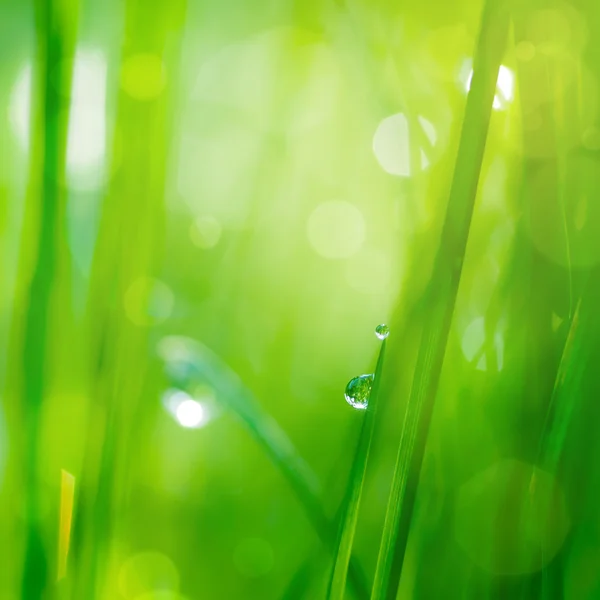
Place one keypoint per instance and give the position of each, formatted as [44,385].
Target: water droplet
[382,331]
[358,391]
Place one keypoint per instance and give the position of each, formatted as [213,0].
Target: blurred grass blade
[573,400]
[187,362]
[440,298]
[351,502]
[124,264]
[43,263]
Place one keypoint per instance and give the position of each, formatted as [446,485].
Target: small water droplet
[382,331]
[358,391]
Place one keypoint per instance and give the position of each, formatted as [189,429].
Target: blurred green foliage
[205,210]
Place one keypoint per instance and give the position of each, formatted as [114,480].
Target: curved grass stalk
[439,300]
[187,362]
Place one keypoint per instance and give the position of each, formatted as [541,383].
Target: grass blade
[67,495]
[561,406]
[439,300]
[188,361]
[126,254]
[45,267]
[351,502]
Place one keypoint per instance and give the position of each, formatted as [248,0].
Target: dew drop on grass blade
[439,299]
[363,392]
[188,361]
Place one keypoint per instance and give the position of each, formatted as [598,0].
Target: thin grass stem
[351,502]
[439,300]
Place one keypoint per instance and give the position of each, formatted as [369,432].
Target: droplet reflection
[382,331]
[358,391]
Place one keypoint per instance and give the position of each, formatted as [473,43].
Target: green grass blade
[127,250]
[187,362]
[560,409]
[439,300]
[351,502]
[55,29]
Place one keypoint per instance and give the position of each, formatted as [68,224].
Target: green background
[272,180]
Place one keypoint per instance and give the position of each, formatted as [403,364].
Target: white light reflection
[392,139]
[87,124]
[18,112]
[505,86]
[187,411]
[190,413]
[86,141]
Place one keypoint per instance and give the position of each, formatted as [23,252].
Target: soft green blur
[206,208]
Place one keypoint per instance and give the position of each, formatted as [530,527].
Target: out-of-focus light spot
[205,232]
[148,302]
[143,76]
[525,51]
[369,272]
[190,414]
[505,514]
[505,87]
[391,144]
[19,109]
[475,347]
[67,495]
[205,171]
[87,119]
[175,348]
[148,573]
[591,138]
[187,411]
[336,229]
[244,77]
[253,557]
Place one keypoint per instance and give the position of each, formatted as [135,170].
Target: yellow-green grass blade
[439,299]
